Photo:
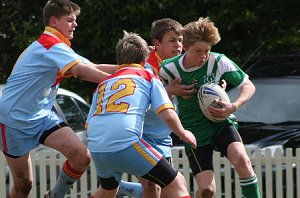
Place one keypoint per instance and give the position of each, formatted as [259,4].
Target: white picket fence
[278,175]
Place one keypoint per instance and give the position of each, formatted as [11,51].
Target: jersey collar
[154,60]
[158,58]
[137,66]
[54,32]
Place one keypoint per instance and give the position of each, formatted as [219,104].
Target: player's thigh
[57,135]
[65,140]
[225,138]
[177,187]
[200,159]
[148,185]
[162,173]
[21,168]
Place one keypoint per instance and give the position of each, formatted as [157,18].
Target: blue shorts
[138,159]
[18,142]
[163,146]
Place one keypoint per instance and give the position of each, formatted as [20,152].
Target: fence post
[3,168]
[298,170]
[257,169]
[278,175]
[289,173]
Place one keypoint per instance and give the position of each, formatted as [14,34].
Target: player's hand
[223,110]
[177,88]
[189,138]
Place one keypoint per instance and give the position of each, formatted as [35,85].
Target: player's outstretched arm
[246,92]
[88,72]
[108,68]
[172,120]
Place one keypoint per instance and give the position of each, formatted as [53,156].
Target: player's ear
[156,43]
[53,21]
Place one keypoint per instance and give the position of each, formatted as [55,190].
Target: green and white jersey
[216,68]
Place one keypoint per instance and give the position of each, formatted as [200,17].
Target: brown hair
[160,27]
[59,8]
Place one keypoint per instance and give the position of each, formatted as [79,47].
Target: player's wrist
[234,107]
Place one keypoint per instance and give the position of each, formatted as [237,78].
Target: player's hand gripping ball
[208,95]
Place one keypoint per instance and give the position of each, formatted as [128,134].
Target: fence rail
[278,174]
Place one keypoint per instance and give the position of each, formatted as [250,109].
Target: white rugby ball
[208,95]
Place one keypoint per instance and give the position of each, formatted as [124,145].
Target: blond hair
[203,30]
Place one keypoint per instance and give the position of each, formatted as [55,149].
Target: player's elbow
[77,70]
[250,87]
[167,115]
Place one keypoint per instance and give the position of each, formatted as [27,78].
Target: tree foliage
[20,25]
[247,28]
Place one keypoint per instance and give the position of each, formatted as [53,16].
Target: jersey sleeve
[159,97]
[64,57]
[233,74]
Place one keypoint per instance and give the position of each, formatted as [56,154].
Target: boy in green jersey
[198,65]
[167,39]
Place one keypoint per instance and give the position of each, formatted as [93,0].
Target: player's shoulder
[218,59]
[215,55]
[148,75]
[48,41]
[169,63]
[172,60]
[148,67]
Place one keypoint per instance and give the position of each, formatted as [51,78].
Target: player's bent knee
[86,157]
[80,157]
[242,161]
[24,186]
[207,193]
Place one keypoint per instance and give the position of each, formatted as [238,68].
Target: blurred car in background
[271,119]
[272,116]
